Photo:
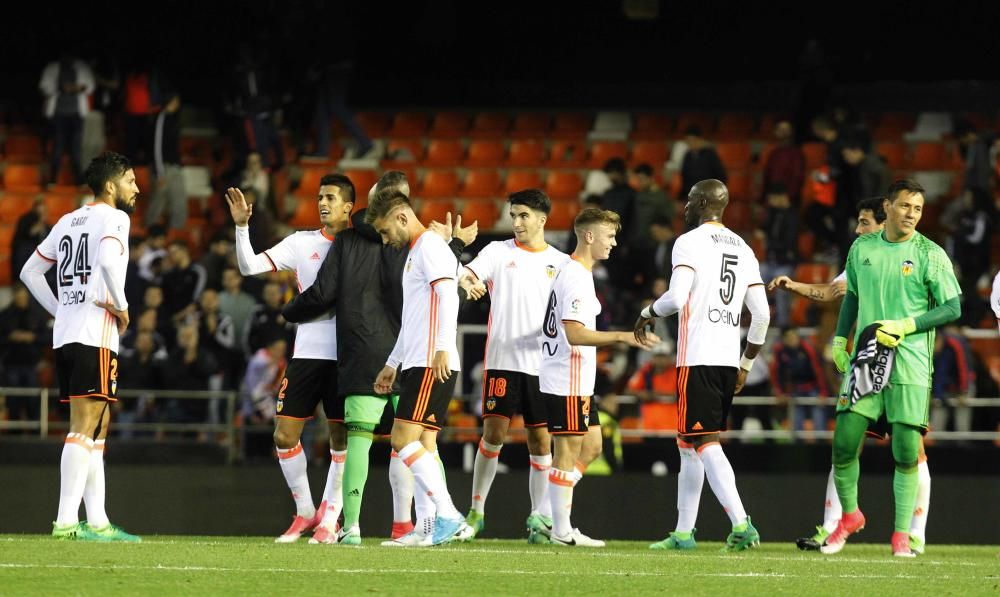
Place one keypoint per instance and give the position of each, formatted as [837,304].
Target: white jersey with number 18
[724,267]
[73,245]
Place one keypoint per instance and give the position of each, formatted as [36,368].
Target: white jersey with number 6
[568,370]
[724,267]
[73,245]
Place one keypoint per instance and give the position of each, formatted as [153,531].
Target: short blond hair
[384,203]
[595,215]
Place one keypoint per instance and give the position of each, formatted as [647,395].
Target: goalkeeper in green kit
[902,286]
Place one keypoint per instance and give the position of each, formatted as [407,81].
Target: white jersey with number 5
[724,267]
[73,245]
[568,370]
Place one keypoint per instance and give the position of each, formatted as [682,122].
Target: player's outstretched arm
[580,335]
[822,293]
[669,303]
[321,297]
[33,277]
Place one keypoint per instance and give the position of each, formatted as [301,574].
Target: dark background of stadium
[448,53]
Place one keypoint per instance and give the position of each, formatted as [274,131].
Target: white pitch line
[577,573]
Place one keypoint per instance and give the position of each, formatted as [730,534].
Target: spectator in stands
[700,161]
[23,334]
[67,84]
[135,285]
[975,150]
[189,366]
[865,174]
[217,335]
[757,416]
[657,257]
[786,164]
[267,323]
[141,368]
[258,389]
[257,178]
[651,202]
[235,303]
[954,378]
[780,233]
[146,323]
[970,245]
[657,379]
[151,261]
[182,283]
[31,230]
[331,83]
[253,105]
[796,373]
[620,198]
[168,184]
[218,257]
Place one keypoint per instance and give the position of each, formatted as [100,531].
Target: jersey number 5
[80,260]
[728,276]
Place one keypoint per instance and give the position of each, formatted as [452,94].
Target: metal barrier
[232,430]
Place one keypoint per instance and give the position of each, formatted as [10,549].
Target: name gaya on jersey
[519,280]
[725,267]
[74,244]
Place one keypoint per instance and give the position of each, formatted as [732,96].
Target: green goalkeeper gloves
[891,332]
[841,358]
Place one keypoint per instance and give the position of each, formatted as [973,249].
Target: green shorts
[901,403]
[366,408]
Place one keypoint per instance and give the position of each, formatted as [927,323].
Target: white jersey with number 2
[724,267]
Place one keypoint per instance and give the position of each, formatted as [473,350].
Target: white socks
[831,508]
[483,473]
[538,484]
[333,495]
[93,492]
[427,475]
[401,482]
[73,469]
[561,497]
[918,526]
[293,466]
[723,481]
[690,481]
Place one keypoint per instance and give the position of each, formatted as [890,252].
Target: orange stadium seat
[408,124]
[813,273]
[893,152]
[518,180]
[306,214]
[567,154]
[734,154]
[602,151]
[480,184]
[654,153]
[401,150]
[815,154]
[572,125]
[445,152]
[143,180]
[14,205]
[5,273]
[735,125]
[309,183]
[652,126]
[59,205]
[22,177]
[527,153]
[363,181]
[562,215]
[6,236]
[561,184]
[24,149]
[435,210]
[375,124]
[739,184]
[930,156]
[531,125]
[700,119]
[449,124]
[439,184]
[485,153]
[738,217]
[484,211]
[807,245]
[490,124]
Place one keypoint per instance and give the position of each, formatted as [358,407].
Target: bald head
[706,201]
[391,182]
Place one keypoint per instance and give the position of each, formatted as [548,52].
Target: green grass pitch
[34,565]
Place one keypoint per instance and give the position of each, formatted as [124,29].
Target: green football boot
[477,521]
[680,541]
[813,543]
[109,532]
[917,544]
[742,539]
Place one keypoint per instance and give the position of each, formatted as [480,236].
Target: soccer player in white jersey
[311,377]
[89,247]
[568,366]
[518,273]
[425,350]
[995,298]
[715,273]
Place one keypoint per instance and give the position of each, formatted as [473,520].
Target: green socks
[847,437]
[905,450]
[359,442]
